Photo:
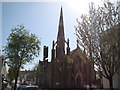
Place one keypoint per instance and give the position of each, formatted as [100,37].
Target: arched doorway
[78,81]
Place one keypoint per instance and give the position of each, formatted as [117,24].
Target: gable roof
[79,53]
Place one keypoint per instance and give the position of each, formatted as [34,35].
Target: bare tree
[97,35]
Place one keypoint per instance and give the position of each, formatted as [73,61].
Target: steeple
[60,37]
[61,26]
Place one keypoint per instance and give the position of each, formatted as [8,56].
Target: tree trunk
[15,85]
[90,76]
[16,79]
[111,83]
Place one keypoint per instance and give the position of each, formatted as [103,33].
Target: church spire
[61,26]
[60,37]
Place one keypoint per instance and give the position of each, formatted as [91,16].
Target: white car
[31,88]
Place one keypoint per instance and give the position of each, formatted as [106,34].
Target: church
[67,69]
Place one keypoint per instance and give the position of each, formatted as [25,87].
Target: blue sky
[39,18]
[42,19]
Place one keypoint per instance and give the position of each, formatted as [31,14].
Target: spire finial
[61,13]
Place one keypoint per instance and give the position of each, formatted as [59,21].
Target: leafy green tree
[97,35]
[21,48]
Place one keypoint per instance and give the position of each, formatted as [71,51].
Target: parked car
[21,87]
[28,87]
[31,88]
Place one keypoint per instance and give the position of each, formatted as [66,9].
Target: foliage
[97,35]
[69,60]
[22,47]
